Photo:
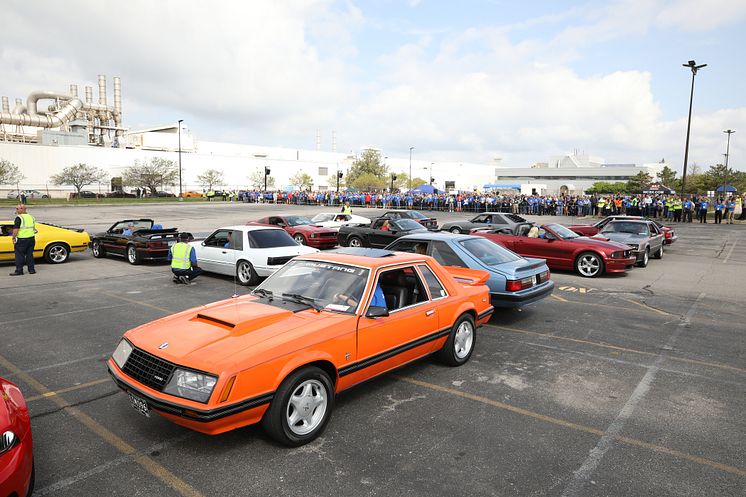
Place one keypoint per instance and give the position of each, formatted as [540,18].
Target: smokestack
[102,89]
[6,105]
[88,94]
[117,95]
[74,91]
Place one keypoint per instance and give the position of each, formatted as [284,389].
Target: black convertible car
[493,220]
[136,239]
[379,233]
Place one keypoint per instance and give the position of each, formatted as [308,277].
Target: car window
[445,255]
[298,220]
[322,218]
[402,288]
[138,224]
[436,289]
[393,215]
[270,238]
[411,246]
[235,240]
[480,219]
[276,221]
[408,225]
[487,252]
[379,222]
[218,239]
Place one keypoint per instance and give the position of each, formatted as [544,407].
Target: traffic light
[266,171]
[432,180]
[393,177]
[339,174]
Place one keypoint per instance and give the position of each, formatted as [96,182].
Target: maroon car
[564,249]
[302,230]
[16,445]
[593,229]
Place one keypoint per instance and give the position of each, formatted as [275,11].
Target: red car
[564,249]
[16,446]
[593,229]
[302,230]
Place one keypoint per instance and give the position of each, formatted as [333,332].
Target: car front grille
[148,369]
[331,234]
[278,261]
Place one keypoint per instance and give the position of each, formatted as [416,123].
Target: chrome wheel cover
[244,272]
[131,254]
[58,253]
[463,339]
[306,407]
[96,249]
[355,242]
[456,230]
[299,239]
[646,258]
[589,265]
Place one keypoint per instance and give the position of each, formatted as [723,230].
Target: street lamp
[694,67]
[727,153]
[410,168]
[180,121]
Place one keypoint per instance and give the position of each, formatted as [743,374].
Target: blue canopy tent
[426,189]
[726,188]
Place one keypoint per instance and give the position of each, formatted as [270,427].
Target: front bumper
[16,466]
[210,421]
[619,265]
[321,243]
[523,297]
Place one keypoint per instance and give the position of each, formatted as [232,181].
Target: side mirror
[375,311]
[203,244]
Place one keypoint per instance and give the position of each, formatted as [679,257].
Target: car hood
[623,237]
[312,228]
[218,336]
[602,243]
[13,410]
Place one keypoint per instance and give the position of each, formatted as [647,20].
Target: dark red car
[16,446]
[302,230]
[565,249]
[428,222]
[593,229]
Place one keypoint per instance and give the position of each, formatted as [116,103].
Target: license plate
[139,405]
[171,243]
[536,279]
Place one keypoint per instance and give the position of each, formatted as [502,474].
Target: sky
[485,81]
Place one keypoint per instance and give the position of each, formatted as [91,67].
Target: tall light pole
[694,67]
[727,153]
[180,121]
[410,167]
[431,173]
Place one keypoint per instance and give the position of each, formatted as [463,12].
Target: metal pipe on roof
[67,113]
[34,97]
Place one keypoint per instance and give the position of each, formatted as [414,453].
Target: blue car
[514,281]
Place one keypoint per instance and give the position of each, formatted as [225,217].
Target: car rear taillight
[156,245]
[543,277]
[669,234]
[517,285]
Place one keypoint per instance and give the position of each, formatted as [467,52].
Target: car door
[376,236]
[7,252]
[387,342]
[213,254]
[656,238]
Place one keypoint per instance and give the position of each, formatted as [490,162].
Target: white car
[248,252]
[30,194]
[337,220]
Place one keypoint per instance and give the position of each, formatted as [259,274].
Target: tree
[607,187]
[151,174]
[256,180]
[79,175]
[402,181]
[210,178]
[639,182]
[301,181]
[369,163]
[368,182]
[667,177]
[9,173]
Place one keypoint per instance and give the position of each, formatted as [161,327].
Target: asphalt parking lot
[619,385]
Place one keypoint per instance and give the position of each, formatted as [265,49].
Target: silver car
[644,237]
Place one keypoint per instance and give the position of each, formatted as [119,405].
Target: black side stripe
[351,368]
[486,313]
[195,414]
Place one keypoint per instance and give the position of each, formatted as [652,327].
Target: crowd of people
[669,207]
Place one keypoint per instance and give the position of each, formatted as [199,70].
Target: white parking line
[66,313]
[730,252]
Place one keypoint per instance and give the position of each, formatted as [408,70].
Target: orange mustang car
[319,325]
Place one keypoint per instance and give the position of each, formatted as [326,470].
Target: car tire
[32,480]
[245,274]
[659,253]
[460,344]
[56,253]
[307,390]
[132,256]
[98,250]
[589,265]
[299,239]
[355,241]
[455,230]
[645,258]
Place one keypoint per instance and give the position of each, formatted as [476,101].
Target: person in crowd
[24,240]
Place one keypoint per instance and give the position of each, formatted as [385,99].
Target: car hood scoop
[246,316]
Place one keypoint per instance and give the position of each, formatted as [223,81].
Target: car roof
[250,227]
[359,257]
[437,235]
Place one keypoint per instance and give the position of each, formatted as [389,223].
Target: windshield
[333,287]
[563,232]
[138,224]
[270,239]
[626,227]
[416,215]
[488,253]
[298,220]
[409,225]
[320,218]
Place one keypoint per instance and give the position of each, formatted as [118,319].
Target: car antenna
[235,272]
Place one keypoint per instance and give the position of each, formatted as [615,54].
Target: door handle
[430,313]
[224,251]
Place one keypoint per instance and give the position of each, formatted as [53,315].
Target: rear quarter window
[270,239]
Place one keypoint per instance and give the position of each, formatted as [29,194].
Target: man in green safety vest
[183,261]
[24,239]
[346,209]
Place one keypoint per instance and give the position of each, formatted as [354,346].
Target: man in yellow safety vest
[24,239]
[183,261]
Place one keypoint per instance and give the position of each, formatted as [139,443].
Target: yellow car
[54,243]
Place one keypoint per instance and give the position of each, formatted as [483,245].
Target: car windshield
[298,220]
[138,224]
[321,218]
[409,225]
[415,215]
[562,232]
[626,227]
[333,287]
[270,239]
[489,253]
